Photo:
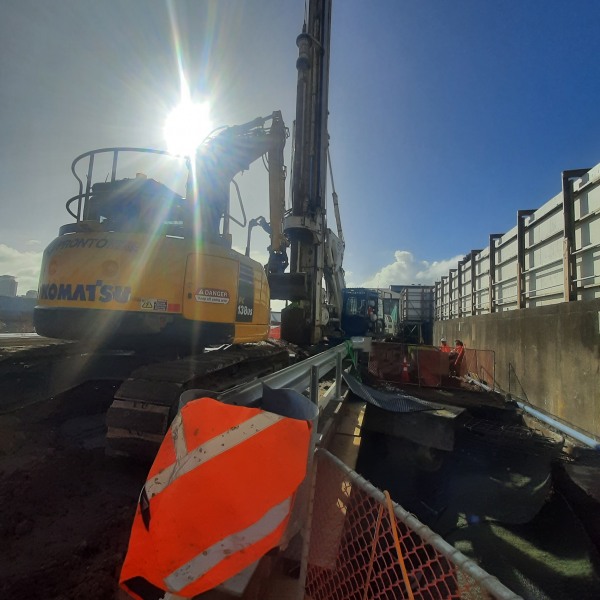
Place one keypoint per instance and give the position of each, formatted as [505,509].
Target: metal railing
[363,545]
[301,376]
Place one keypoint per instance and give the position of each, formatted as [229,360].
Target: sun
[187,126]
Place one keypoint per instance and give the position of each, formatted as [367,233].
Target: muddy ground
[66,507]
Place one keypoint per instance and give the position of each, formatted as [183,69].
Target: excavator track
[146,403]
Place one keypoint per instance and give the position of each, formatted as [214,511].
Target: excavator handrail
[115,150]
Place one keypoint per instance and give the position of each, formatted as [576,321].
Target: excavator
[143,264]
[150,265]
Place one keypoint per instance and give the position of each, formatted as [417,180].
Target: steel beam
[492,274]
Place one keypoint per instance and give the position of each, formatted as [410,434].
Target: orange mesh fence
[480,364]
[386,360]
[427,365]
[363,547]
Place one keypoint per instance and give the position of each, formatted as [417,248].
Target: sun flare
[187,126]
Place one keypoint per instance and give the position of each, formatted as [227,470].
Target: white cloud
[25,266]
[407,269]
[349,277]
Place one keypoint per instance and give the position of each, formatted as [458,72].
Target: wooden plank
[165,393]
[345,443]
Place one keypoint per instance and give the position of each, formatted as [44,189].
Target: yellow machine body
[145,261]
[105,284]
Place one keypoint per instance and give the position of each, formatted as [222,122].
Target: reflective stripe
[209,558]
[211,448]
[178,437]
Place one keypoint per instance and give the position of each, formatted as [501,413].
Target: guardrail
[299,377]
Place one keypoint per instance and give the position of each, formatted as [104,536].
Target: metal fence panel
[551,255]
[587,235]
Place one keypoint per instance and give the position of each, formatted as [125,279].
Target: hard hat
[443,340]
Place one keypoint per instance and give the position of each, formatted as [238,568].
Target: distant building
[31,294]
[8,286]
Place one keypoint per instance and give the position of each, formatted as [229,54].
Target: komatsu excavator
[146,264]
[142,262]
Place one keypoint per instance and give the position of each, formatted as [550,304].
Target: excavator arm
[229,152]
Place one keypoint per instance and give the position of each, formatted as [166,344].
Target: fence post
[492,277]
[521,214]
[570,289]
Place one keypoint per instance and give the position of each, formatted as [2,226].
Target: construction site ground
[67,508]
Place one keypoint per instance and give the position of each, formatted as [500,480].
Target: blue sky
[446,117]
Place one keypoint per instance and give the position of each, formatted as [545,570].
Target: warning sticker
[160,305]
[154,304]
[245,300]
[212,296]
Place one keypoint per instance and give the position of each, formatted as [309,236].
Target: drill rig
[316,279]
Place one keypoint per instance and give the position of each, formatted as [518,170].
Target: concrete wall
[549,355]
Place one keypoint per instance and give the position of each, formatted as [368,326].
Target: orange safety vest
[459,351]
[217,498]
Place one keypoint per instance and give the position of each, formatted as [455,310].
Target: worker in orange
[456,357]
[217,498]
[444,345]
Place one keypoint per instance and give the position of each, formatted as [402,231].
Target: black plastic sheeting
[396,402]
